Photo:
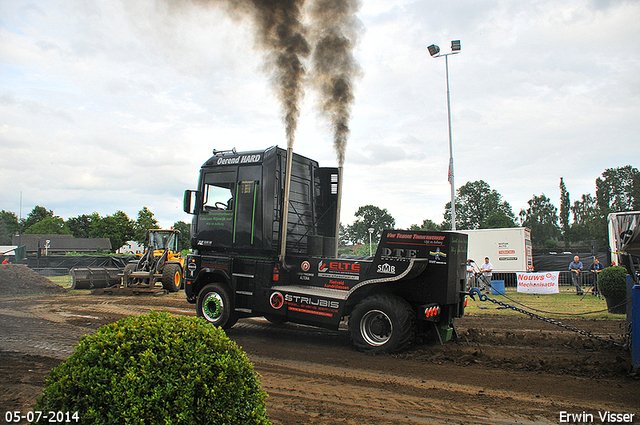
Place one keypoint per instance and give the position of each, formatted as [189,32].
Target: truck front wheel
[382,322]
[215,305]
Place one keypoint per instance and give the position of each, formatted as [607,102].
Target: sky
[110,105]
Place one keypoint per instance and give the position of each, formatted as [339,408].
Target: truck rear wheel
[215,306]
[172,277]
[382,322]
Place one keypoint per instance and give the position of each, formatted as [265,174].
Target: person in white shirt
[486,269]
[470,275]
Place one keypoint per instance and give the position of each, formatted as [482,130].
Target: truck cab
[413,285]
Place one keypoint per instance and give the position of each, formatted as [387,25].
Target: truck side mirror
[189,201]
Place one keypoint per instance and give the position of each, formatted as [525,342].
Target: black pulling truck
[414,284]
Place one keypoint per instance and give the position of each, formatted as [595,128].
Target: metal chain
[484,297]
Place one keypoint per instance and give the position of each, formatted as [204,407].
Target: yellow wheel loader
[161,263]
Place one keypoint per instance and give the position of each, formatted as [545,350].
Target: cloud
[109,106]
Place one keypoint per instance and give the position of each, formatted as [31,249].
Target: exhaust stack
[285,208]
[338,206]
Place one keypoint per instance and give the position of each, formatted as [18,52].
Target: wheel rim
[212,307]
[376,328]
[176,279]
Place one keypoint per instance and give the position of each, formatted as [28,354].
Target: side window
[218,190]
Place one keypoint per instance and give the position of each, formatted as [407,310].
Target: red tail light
[432,311]
[276,274]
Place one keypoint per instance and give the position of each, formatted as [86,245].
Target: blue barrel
[497,287]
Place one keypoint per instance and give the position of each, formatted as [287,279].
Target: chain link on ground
[484,297]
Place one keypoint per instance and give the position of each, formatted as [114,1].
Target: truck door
[215,220]
[247,210]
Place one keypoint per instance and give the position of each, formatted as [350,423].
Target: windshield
[163,240]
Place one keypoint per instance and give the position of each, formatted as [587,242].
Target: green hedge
[612,282]
[157,369]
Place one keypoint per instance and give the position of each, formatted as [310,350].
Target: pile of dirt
[17,279]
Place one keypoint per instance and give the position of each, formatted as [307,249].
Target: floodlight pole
[434,50]
[453,186]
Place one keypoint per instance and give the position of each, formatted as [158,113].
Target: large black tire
[382,322]
[172,277]
[215,305]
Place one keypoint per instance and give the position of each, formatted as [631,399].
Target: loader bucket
[94,277]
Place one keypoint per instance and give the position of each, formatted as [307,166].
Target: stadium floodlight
[434,52]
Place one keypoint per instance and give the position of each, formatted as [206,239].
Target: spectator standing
[470,274]
[486,269]
[596,267]
[575,267]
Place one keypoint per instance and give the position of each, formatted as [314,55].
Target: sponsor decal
[414,236]
[506,251]
[507,258]
[336,284]
[276,300]
[305,266]
[192,267]
[242,159]
[416,239]
[323,267]
[386,268]
[307,300]
[311,305]
[398,254]
[538,283]
[307,311]
[339,269]
[438,255]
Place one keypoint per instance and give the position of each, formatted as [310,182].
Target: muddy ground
[502,370]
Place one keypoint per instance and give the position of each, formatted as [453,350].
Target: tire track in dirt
[28,324]
[340,394]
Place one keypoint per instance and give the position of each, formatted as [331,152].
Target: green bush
[612,282]
[156,369]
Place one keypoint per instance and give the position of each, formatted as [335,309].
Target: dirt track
[501,370]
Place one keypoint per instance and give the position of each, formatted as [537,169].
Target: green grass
[565,305]
[64,281]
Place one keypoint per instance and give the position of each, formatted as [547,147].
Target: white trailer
[509,249]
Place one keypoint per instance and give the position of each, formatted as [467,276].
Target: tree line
[118,227]
[477,207]
[480,207]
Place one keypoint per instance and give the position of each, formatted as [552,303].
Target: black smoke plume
[281,32]
[335,32]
